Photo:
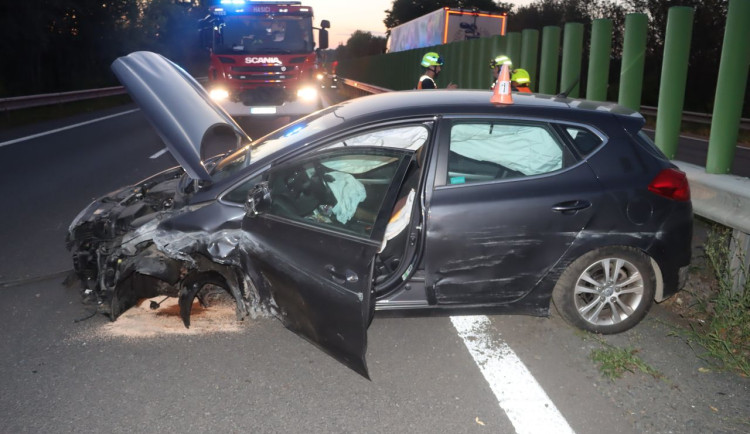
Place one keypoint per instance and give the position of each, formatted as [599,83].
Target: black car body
[405,200]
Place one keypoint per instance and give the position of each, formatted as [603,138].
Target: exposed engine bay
[122,253]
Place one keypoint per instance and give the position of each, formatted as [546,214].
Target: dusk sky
[346,16]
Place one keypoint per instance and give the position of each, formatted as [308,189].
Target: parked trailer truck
[445,25]
[263,59]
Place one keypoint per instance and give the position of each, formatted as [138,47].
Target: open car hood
[179,109]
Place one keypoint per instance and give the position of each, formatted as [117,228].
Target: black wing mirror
[323,39]
[323,34]
[258,200]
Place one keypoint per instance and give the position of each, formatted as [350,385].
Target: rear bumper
[673,249]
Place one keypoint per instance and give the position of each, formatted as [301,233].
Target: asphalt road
[58,375]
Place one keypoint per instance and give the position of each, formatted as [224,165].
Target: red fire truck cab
[263,57]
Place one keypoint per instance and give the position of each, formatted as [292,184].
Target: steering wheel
[320,188]
[298,182]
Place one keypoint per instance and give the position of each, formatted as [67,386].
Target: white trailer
[443,26]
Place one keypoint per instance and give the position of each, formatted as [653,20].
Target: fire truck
[263,59]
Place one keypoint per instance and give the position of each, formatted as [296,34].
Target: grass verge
[719,319]
[613,361]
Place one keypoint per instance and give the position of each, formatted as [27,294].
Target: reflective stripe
[419,83]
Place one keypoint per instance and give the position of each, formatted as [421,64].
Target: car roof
[449,101]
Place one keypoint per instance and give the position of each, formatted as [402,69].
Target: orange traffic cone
[501,93]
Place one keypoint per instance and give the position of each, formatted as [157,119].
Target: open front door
[315,238]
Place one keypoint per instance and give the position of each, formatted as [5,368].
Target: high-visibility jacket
[429,83]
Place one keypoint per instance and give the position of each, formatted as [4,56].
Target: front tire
[606,291]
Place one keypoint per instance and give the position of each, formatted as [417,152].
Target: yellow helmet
[500,61]
[431,59]
[520,76]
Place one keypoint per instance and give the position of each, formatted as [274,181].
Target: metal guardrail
[22,102]
[695,117]
[368,88]
[724,199]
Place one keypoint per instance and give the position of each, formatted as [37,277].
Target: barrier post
[481,71]
[529,53]
[739,260]
[673,78]
[730,89]
[633,61]
[550,60]
[571,60]
[474,48]
[513,48]
[601,49]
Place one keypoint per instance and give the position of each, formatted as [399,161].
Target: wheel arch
[618,313]
[655,267]
[541,295]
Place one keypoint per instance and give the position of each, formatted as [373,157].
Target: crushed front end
[126,247]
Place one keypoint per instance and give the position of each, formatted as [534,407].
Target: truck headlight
[219,94]
[319,76]
[307,93]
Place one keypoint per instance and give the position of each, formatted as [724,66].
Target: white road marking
[524,401]
[158,154]
[46,133]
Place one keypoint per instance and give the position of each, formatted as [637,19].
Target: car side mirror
[258,200]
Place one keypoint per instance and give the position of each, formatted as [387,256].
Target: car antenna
[570,89]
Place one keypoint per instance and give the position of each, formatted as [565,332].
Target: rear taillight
[672,184]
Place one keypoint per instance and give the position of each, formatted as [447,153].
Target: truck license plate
[262,110]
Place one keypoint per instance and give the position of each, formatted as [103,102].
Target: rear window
[584,140]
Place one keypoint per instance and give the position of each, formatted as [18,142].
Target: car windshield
[253,34]
[275,142]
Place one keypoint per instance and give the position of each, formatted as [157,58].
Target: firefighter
[432,64]
[519,80]
[496,64]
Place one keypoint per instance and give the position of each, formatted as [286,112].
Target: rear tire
[606,291]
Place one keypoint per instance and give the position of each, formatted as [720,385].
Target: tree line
[63,45]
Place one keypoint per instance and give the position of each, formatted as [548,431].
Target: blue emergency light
[244,2]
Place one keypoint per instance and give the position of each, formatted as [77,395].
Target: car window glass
[402,137]
[486,151]
[583,140]
[343,191]
[239,193]
[274,142]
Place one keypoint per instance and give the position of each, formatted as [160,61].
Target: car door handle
[571,206]
[341,278]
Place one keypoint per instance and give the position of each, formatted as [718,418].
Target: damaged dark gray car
[407,200]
